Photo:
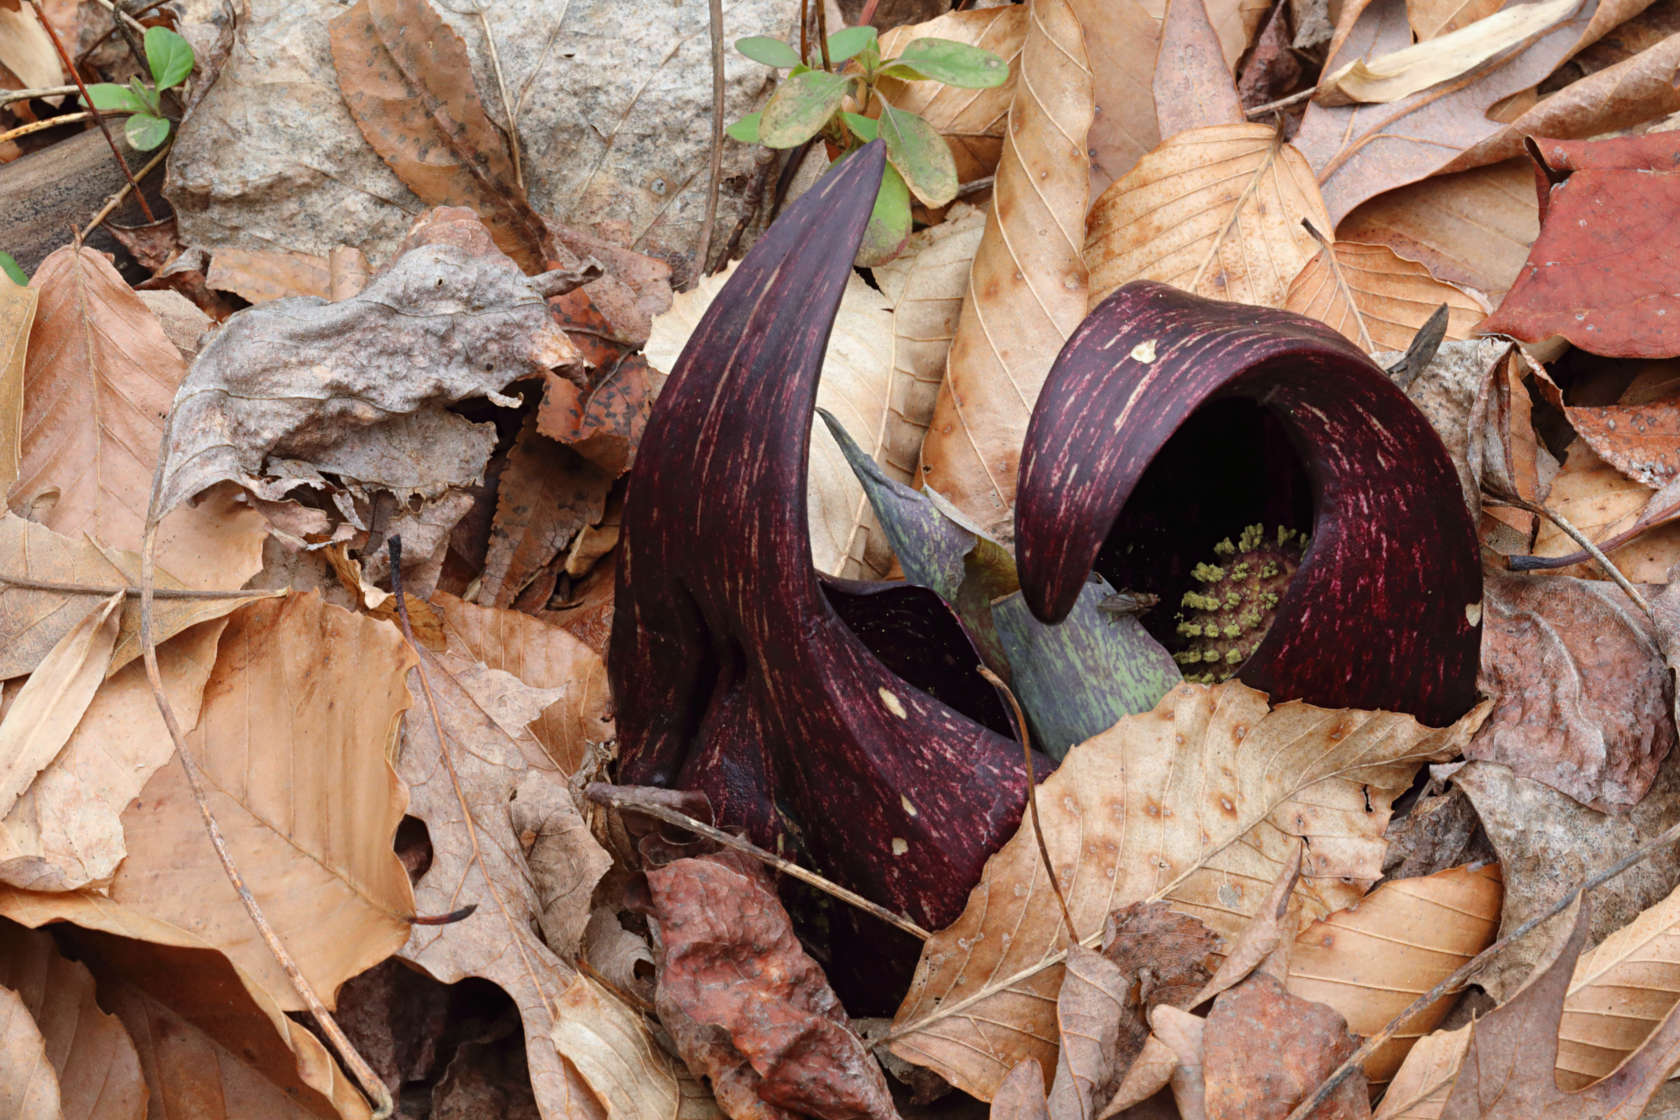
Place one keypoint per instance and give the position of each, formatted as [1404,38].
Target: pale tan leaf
[34,618]
[97,1067]
[1376,298]
[1216,211]
[260,275]
[461,789]
[17,313]
[1372,961]
[1182,1033]
[1419,1090]
[1621,990]
[1148,1074]
[1602,502]
[25,48]
[1430,18]
[298,714]
[212,1042]
[615,1052]
[1192,85]
[28,1081]
[862,386]
[1027,286]
[971,120]
[1089,1009]
[1401,73]
[543,656]
[52,700]
[1198,802]
[1125,34]
[66,830]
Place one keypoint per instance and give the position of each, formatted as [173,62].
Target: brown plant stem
[1463,973]
[70,65]
[715,172]
[116,200]
[603,794]
[1586,544]
[126,589]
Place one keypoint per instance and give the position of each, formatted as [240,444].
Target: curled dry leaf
[1582,696]
[17,314]
[745,1004]
[1027,284]
[1216,211]
[98,1071]
[1376,298]
[1472,228]
[1089,1016]
[863,384]
[971,120]
[296,388]
[1264,1049]
[1370,962]
[1214,791]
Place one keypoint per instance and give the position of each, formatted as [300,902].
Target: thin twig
[507,104]
[371,1083]
[69,64]
[822,34]
[7,96]
[1463,973]
[1280,103]
[116,200]
[1032,798]
[603,794]
[703,251]
[157,592]
[115,24]
[1586,544]
[32,127]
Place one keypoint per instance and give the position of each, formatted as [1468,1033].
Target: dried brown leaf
[408,81]
[1126,35]
[1214,791]
[1264,1049]
[28,1081]
[1377,298]
[1419,1090]
[971,120]
[757,1012]
[1021,1095]
[604,421]
[1583,699]
[1192,86]
[1089,1012]
[97,1069]
[17,314]
[1605,504]
[1216,211]
[1430,18]
[259,275]
[1370,962]
[1028,282]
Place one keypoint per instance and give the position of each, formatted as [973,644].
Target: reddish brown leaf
[730,964]
[1264,1050]
[408,82]
[1600,273]
[604,422]
[1192,84]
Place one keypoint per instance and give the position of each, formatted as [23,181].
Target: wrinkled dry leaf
[47,708]
[1548,843]
[971,120]
[1182,1033]
[17,314]
[478,857]
[604,421]
[1377,299]
[866,388]
[1021,1095]
[1166,958]
[1473,228]
[66,830]
[408,81]
[1263,942]
[1216,211]
[1371,961]
[1206,807]
[294,388]
[97,1070]
[1264,1049]
[745,1004]
[564,859]
[1028,281]
[1149,1073]
[1583,698]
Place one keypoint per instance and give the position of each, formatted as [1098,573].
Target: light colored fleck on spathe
[893,703]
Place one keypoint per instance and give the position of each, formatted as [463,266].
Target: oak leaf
[1198,802]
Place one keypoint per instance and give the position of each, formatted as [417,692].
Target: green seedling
[9,266]
[170,59]
[813,101]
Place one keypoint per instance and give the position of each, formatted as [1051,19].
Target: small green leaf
[145,131]
[771,52]
[146,96]
[954,63]
[9,267]
[920,154]
[169,57]
[746,129]
[889,222]
[864,128]
[798,109]
[848,42]
[109,97]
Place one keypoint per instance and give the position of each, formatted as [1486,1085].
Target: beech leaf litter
[1057,559]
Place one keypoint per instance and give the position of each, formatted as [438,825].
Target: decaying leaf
[1216,211]
[1375,297]
[745,1004]
[1027,284]
[1264,1049]
[98,1071]
[1213,791]
[17,314]
[260,275]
